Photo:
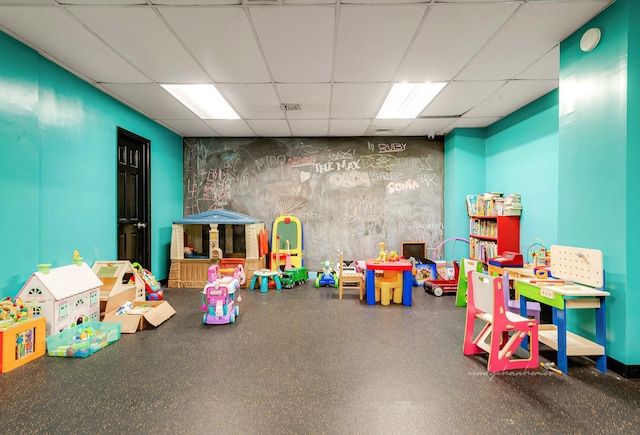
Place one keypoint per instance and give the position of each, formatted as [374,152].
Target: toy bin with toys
[83,340]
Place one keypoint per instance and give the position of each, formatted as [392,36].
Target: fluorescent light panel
[203,100]
[407,100]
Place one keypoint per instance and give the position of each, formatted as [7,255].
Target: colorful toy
[382,256]
[286,234]
[294,276]
[218,298]
[154,291]
[327,277]
[66,296]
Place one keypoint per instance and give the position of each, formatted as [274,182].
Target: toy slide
[154,291]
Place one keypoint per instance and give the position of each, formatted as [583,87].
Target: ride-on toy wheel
[438,291]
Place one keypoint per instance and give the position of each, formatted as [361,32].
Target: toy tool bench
[578,283]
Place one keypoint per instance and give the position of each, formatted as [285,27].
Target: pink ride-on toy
[218,298]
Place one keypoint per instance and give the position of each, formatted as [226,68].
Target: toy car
[294,276]
[440,286]
[328,277]
[218,302]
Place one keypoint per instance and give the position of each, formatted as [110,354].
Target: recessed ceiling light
[407,100]
[204,100]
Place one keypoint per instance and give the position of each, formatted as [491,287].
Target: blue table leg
[601,335]
[276,278]
[370,288]
[560,320]
[407,287]
[523,313]
[253,281]
[264,284]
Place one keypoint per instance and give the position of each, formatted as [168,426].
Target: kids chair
[513,305]
[350,278]
[390,285]
[503,331]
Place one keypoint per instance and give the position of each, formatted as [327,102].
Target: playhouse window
[63,310]
[35,291]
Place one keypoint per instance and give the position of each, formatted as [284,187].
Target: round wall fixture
[590,39]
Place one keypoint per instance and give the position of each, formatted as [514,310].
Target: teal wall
[464,173]
[522,157]
[598,163]
[58,139]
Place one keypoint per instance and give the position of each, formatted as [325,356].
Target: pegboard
[582,265]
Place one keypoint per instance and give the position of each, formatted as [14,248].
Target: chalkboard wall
[349,193]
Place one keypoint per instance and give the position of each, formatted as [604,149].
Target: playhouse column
[214,245]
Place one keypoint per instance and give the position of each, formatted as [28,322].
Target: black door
[134,220]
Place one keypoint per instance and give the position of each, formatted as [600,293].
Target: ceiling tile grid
[307,68]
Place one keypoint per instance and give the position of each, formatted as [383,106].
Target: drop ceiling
[307,68]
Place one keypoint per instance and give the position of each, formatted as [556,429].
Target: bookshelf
[494,224]
[490,236]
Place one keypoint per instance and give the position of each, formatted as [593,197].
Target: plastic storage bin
[83,340]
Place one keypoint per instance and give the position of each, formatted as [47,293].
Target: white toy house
[66,296]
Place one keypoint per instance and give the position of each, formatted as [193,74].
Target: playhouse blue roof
[218,217]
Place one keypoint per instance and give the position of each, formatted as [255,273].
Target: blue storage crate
[83,340]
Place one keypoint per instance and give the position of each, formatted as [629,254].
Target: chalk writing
[401,187]
[349,179]
[391,147]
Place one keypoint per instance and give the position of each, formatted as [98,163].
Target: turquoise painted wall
[522,157]
[58,172]
[595,162]
[464,174]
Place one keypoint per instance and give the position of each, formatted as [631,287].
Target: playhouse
[217,237]
[67,296]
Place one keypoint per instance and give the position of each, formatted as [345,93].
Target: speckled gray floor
[300,361]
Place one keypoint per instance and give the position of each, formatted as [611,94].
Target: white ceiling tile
[533,30]
[142,38]
[196,127]
[309,128]
[149,99]
[426,127]
[266,128]
[357,100]
[297,41]
[465,27]
[348,127]
[253,101]
[458,97]
[222,41]
[369,48]
[469,123]
[547,67]
[511,97]
[103,2]
[314,99]
[309,2]
[231,127]
[195,2]
[58,36]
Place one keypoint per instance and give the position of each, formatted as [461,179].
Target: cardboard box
[159,312]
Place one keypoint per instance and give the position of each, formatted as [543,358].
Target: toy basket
[83,340]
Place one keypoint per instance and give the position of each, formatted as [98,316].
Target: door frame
[145,201]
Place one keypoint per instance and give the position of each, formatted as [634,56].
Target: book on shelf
[472,205]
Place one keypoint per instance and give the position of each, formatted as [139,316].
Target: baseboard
[624,370]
